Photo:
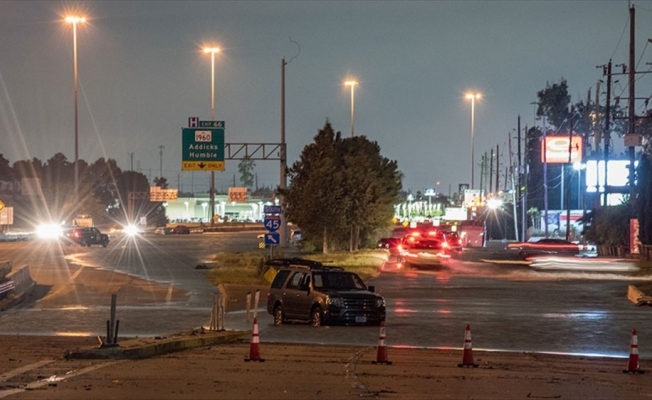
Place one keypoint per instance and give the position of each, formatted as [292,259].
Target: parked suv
[305,290]
[86,236]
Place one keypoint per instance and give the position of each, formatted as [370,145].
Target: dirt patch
[309,372]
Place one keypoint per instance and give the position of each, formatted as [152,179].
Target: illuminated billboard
[555,149]
[617,174]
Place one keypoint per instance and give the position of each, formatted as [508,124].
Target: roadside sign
[193,122]
[272,223]
[2,205]
[271,209]
[237,195]
[202,149]
[272,238]
[211,124]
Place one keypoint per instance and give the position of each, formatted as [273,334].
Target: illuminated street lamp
[212,51]
[74,20]
[473,97]
[352,84]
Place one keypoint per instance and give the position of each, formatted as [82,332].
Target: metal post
[212,194]
[74,40]
[248,307]
[283,231]
[472,141]
[256,300]
[545,177]
[352,109]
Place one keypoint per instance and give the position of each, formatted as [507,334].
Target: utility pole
[520,192]
[545,177]
[632,115]
[161,147]
[514,178]
[131,156]
[568,187]
[283,231]
[491,171]
[607,135]
[497,169]
[597,137]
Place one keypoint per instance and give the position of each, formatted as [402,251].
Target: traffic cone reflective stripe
[632,363]
[467,356]
[381,355]
[254,347]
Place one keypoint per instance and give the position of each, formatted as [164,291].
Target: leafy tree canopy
[341,190]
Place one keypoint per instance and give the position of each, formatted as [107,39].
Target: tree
[342,190]
[553,103]
[246,168]
[610,227]
[6,172]
[644,203]
[161,182]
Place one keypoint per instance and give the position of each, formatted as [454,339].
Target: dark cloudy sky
[142,74]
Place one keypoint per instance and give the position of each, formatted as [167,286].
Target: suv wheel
[279,317]
[104,244]
[316,317]
[82,243]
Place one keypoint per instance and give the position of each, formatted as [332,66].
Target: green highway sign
[203,148]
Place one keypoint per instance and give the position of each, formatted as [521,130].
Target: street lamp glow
[494,203]
[352,83]
[212,51]
[473,97]
[74,20]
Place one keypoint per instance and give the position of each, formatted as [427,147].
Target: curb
[150,347]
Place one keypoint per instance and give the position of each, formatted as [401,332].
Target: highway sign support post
[272,223]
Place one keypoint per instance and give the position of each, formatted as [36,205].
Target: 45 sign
[272,223]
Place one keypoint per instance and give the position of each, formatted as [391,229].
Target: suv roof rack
[302,263]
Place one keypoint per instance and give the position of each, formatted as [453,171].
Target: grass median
[247,268]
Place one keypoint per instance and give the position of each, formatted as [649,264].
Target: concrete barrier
[23,282]
[151,347]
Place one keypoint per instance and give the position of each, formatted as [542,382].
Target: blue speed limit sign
[272,223]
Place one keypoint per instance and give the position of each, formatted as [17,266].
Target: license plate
[361,320]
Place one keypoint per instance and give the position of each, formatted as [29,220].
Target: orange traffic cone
[254,350]
[381,356]
[632,364]
[467,357]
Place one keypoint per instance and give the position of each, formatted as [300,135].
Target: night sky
[142,74]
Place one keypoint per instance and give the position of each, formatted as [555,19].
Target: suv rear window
[279,280]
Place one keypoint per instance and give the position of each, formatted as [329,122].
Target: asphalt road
[553,305]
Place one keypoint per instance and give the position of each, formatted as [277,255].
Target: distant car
[86,236]
[454,241]
[162,230]
[424,249]
[389,243]
[180,230]
[546,247]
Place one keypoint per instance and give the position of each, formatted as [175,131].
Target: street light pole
[212,50]
[74,21]
[472,97]
[352,84]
